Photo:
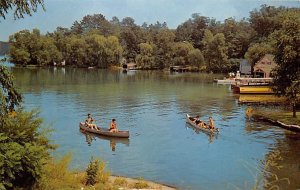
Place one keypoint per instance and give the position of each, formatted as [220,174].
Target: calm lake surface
[162,147]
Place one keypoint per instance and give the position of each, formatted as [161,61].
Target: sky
[174,12]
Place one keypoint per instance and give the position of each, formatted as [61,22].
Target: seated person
[202,124]
[211,123]
[113,126]
[197,120]
[89,122]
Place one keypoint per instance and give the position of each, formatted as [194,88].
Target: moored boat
[104,131]
[255,89]
[190,120]
[253,86]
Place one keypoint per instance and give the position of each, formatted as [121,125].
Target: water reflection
[211,136]
[287,175]
[153,105]
[90,137]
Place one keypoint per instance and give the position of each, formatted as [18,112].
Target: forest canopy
[200,42]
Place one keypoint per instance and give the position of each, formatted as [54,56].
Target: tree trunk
[294,110]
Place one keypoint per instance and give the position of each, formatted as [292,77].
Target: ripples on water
[152,106]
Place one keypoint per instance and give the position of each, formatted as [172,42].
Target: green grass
[285,117]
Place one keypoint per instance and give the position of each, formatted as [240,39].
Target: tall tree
[257,50]
[180,52]
[238,36]
[193,29]
[163,40]
[215,51]
[195,58]
[145,59]
[264,21]
[287,56]
[23,145]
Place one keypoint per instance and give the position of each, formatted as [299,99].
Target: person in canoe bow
[113,126]
[89,122]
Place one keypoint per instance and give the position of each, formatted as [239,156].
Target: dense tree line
[200,42]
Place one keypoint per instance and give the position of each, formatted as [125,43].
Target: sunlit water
[152,106]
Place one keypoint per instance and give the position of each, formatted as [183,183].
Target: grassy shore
[284,117]
[56,175]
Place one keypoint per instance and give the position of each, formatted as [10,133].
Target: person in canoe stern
[211,123]
[113,126]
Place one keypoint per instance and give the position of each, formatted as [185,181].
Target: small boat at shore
[104,131]
[190,120]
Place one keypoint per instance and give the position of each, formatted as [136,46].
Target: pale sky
[174,12]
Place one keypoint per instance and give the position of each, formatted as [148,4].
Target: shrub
[120,181]
[23,150]
[141,184]
[92,172]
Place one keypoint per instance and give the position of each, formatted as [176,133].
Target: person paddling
[113,126]
[211,123]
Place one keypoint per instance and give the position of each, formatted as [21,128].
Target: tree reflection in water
[281,167]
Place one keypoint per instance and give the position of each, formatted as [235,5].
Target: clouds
[174,12]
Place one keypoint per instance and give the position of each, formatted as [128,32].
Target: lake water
[162,147]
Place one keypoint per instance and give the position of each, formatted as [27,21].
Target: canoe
[92,136]
[189,121]
[104,131]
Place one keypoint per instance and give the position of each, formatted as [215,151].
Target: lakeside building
[264,67]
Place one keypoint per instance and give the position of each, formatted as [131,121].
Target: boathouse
[264,67]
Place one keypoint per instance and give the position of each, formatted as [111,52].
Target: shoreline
[152,184]
[294,128]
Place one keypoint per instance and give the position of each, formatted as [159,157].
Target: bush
[141,184]
[57,176]
[24,150]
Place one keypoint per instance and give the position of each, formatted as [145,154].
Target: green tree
[98,22]
[113,50]
[287,56]
[145,59]
[130,43]
[20,7]
[215,52]
[164,40]
[264,21]
[76,48]
[193,29]
[9,96]
[238,36]
[257,50]
[180,52]
[195,58]
[33,48]
[19,53]
[23,145]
